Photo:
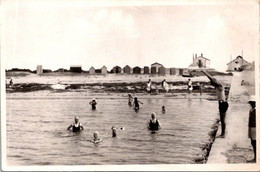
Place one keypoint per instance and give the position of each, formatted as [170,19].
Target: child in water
[114,129]
[130,99]
[163,109]
[93,103]
[136,103]
[96,138]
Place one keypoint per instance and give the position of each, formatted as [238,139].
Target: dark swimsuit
[223,106]
[136,104]
[154,126]
[76,128]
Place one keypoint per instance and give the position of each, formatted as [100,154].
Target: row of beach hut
[137,70]
[156,69]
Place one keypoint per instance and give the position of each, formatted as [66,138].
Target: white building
[199,62]
[39,69]
[237,63]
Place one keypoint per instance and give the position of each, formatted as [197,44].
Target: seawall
[236,146]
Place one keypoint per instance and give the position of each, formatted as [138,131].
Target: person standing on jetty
[223,104]
[136,103]
[189,86]
[154,123]
[76,126]
[130,99]
[93,103]
[252,126]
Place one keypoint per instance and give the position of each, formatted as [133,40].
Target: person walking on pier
[223,104]
[252,126]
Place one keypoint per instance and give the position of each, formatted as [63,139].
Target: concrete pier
[236,146]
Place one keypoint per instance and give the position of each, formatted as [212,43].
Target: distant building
[146,70]
[153,70]
[162,71]
[92,70]
[127,69]
[60,70]
[237,63]
[156,66]
[172,71]
[104,70]
[75,68]
[180,71]
[137,70]
[199,62]
[39,69]
[116,69]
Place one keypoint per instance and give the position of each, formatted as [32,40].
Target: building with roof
[237,64]
[199,62]
[39,69]
[162,71]
[116,69]
[104,70]
[127,69]
[155,67]
[92,70]
[137,70]
[76,68]
[146,70]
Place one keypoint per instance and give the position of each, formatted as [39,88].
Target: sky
[58,34]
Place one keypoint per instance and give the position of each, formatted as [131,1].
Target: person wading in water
[76,126]
[154,123]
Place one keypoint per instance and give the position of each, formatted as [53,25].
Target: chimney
[195,55]
[201,55]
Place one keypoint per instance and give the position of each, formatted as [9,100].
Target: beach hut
[116,69]
[172,71]
[157,65]
[39,69]
[60,70]
[146,70]
[127,69]
[104,70]
[92,70]
[153,70]
[180,71]
[75,68]
[162,71]
[136,70]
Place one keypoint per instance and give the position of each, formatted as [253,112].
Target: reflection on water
[37,135]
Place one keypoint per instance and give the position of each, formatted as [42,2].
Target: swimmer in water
[96,138]
[130,99]
[76,126]
[114,129]
[154,123]
[93,103]
[136,103]
[163,109]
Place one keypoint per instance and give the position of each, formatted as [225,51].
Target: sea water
[36,129]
